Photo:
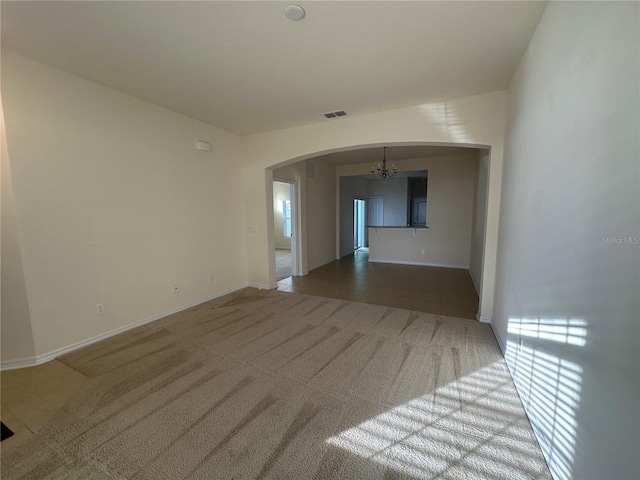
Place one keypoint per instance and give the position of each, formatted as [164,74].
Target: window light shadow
[562,330]
[549,385]
[445,116]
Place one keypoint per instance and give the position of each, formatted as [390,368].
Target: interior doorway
[359,240]
[375,211]
[284,228]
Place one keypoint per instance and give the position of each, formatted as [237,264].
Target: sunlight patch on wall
[472,427]
[563,330]
[447,119]
[549,385]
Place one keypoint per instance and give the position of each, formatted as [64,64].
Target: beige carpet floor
[289,386]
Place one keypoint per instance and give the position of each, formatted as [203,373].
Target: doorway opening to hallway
[284,228]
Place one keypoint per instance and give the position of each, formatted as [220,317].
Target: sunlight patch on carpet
[473,426]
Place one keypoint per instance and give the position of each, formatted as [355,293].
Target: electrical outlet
[100,308]
[422,251]
[176,288]
[211,279]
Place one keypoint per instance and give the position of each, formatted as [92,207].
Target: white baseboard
[321,264]
[46,357]
[482,319]
[261,286]
[422,264]
[18,363]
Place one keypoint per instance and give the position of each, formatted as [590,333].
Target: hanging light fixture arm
[383,171]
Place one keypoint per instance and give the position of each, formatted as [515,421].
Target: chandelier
[383,171]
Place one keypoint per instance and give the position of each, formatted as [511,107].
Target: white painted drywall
[321,215]
[281,191]
[114,205]
[17,335]
[569,237]
[470,121]
[479,219]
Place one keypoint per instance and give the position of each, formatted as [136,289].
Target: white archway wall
[477,121]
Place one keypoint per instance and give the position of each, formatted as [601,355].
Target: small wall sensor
[203,146]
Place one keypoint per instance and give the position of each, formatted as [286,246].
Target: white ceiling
[244,67]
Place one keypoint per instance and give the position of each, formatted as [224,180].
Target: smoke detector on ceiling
[294,12]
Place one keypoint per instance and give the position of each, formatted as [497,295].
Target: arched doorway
[305,166]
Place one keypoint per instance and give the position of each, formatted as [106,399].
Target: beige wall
[281,191]
[114,205]
[470,121]
[569,270]
[321,215]
[15,327]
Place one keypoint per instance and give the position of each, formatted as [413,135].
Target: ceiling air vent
[339,113]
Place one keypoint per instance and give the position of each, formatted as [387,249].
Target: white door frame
[359,222]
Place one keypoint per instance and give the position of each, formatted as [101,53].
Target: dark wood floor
[445,291]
